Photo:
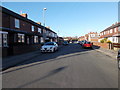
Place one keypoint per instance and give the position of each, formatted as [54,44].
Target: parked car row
[53,46]
[85,44]
[65,43]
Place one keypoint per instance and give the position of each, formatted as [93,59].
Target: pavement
[11,61]
[108,52]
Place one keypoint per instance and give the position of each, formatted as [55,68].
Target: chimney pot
[39,23]
[24,15]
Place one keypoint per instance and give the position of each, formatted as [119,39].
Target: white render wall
[113,39]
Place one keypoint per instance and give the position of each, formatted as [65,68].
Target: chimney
[24,15]
[48,27]
[39,23]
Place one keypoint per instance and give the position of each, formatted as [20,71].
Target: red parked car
[87,45]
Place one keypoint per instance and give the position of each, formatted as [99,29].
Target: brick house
[19,34]
[93,37]
[112,33]
[81,38]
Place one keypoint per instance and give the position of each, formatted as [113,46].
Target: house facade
[112,33]
[19,34]
[93,37]
[81,38]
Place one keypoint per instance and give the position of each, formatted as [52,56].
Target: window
[55,35]
[104,32]
[115,30]
[52,34]
[39,30]
[3,39]
[35,39]
[33,28]
[47,32]
[42,40]
[21,38]
[44,31]
[110,30]
[92,35]
[17,23]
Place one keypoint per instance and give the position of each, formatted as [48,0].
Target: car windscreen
[49,43]
[87,42]
[65,42]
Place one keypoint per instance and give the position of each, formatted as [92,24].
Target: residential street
[69,67]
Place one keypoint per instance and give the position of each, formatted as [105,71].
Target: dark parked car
[80,42]
[118,59]
[65,43]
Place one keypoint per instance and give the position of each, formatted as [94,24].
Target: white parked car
[49,47]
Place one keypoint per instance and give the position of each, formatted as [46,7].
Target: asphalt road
[70,67]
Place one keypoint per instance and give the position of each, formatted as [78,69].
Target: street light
[44,36]
[44,9]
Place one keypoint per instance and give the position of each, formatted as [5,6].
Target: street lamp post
[44,35]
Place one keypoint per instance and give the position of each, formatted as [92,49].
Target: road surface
[70,67]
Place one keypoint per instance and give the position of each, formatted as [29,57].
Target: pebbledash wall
[19,34]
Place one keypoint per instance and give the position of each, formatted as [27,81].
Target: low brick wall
[4,51]
[25,48]
[102,45]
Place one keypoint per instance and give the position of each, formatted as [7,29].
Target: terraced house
[19,34]
[112,33]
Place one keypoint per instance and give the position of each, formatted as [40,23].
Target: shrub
[109,41]
[102,41]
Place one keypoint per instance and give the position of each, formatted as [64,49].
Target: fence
[116,45]
[112,46]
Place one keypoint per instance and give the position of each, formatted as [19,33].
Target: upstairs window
[104,32]
[32,28]
[39,30]
[115,30]
[110,30]
[17,23]
[44,31]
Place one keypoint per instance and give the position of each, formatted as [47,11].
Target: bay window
[21,38]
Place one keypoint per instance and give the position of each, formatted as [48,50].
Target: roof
[111,27]
[5,10]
